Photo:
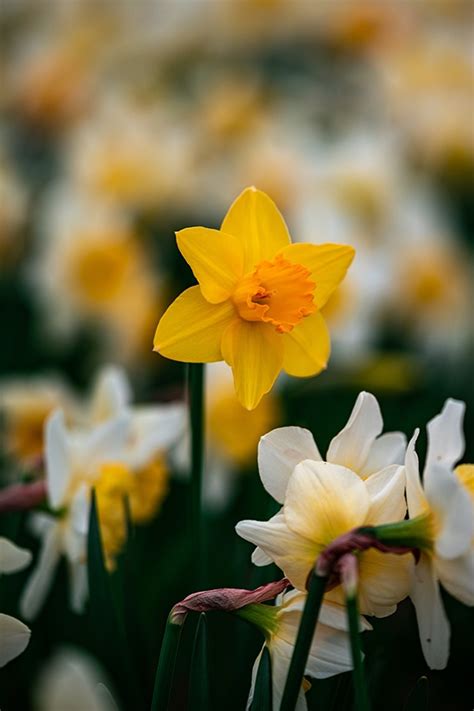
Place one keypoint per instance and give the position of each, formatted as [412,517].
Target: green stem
[414,532]
[165,669]
[361,696]
[263,691]
[197,423]
[304,638]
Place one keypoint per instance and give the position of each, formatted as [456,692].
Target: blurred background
[125,121]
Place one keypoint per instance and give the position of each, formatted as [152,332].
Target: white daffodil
[329,654]
[121,455]
[359,485]
[14,635]
[74,681]
[446,509]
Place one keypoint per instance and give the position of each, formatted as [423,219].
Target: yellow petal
[191,328]
[328,264]
[255,353]
[256,221]
[307,347]
[216,259]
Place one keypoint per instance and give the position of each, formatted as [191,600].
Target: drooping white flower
[14,635]
[448,512]
[329,654]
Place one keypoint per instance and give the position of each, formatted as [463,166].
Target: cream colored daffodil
[329,654]
[120,454]
[361,484]
[359,446]
[14,635]
[257,305]
[445,507]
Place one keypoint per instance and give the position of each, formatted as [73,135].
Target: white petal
[351,447]
[416,499]
[457,576]
[279,452]
[106,442]
[330,653]
[294,554]
[78,582]
[387,495]
[452,503]
[433,624]
[12,558]
[70,681]
[260,558]
[155,429]
[14,638]
[110,395]
[445,436]
[57,458]
[281,652]
[79,509]
[253,679]
[387,449]
[41,579]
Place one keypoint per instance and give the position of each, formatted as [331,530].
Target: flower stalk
[349,575]
[195,376]
[309,618]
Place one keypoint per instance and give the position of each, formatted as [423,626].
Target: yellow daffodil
[257,305]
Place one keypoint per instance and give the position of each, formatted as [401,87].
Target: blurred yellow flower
[258,300]
[145,490]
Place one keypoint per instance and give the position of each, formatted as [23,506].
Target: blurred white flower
[72,681]
[118,449]
[14,635]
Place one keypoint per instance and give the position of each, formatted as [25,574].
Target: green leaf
[262,695]
[199,679]
[418,699]
[106,611]
[165,668]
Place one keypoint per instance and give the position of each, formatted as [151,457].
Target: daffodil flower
[257,305]
[121,456]
[14,634]
[329,654]
[359,485]
[445,510]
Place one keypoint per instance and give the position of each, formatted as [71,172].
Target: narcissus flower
[330,649]
[445,510]
[359,485]
[257,305]
[121,454]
